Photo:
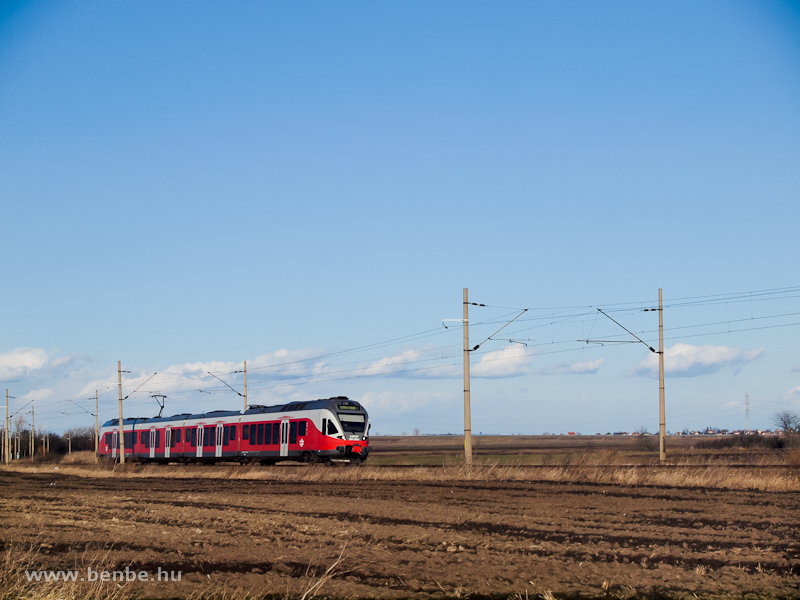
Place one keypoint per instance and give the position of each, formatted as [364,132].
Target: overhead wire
[368,368]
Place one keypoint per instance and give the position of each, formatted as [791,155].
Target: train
[316,431]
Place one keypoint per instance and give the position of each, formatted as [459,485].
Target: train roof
[252,409]
[330,403]
[128,421]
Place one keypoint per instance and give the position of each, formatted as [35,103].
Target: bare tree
[82,438]
[644,439]
[787,421]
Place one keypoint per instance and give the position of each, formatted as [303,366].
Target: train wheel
[313,458]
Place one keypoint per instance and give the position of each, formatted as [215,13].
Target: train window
[260,433]
[158,438]
[332,430]
[276,433]
[233,432]
[225,435]
[191,436]
[252,434]
[245,432]
[324,426]
[108,439]
[301,428]
[293,432]
[146,439]
[211,431]
[143,437]
[178,436]
[353,423]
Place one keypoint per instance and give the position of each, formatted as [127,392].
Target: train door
[218,453]
[152,443]
[285,437]
[114,444]
[167,440]
[200,430]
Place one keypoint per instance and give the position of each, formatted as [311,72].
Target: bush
[744,441]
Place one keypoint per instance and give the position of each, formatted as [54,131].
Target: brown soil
[402,539]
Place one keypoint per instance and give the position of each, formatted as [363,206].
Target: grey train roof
[253,409]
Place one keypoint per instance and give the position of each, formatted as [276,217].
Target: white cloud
[512,361]
[685,360]
[36,395]
[20,362]
[37,364]
[281,364]
[285,375]
[793,394]
[581,367]
[278,373]
[394,365]
[425,363]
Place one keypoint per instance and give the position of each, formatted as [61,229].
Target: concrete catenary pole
[96,429]
[33,434]
[467,418]
[245,385]
[662,431]
[121,431]
[6,448]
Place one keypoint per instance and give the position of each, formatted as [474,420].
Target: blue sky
[309,187]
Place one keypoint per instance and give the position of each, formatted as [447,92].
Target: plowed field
[400,539]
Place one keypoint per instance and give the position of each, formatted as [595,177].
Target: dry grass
[78,458]
[15,584]
[17,563]
[560,459]
[687,475]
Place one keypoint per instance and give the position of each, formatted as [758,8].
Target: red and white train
[335,429]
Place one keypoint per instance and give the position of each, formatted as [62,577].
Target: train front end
[348,431]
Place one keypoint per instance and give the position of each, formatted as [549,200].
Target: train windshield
[352,423]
